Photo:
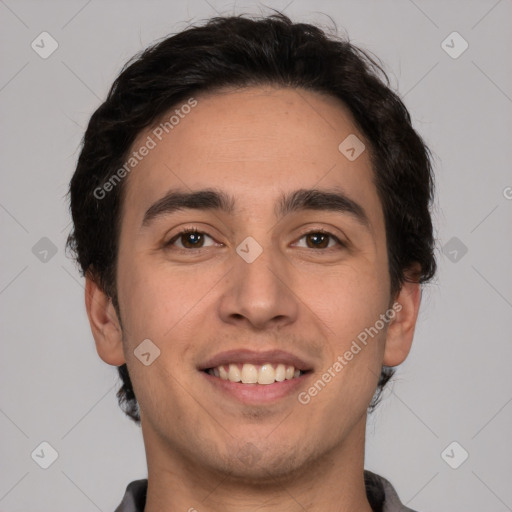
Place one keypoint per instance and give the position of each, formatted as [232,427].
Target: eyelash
[194,230]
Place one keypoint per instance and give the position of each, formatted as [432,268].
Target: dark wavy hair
[240,51]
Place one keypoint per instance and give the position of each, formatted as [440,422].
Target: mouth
[247,373]
[256,377]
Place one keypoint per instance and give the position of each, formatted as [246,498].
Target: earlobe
[401,329]
[104,323]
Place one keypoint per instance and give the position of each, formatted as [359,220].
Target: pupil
[316,236]
[194,237]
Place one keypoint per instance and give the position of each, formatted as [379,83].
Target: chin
[261,464]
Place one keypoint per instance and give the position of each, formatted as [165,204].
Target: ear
[105,325]
[401,328]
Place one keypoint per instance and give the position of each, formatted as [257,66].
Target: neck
[333,481]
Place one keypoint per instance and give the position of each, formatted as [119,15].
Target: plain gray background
[456,384]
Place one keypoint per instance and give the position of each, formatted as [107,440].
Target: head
[252,112]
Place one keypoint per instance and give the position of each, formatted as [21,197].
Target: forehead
[254,143]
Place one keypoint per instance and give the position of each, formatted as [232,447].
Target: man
[251,214]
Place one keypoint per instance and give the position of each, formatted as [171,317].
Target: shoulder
[134,498]
[380,490]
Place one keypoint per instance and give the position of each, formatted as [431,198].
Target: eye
[320,239]
[189,238]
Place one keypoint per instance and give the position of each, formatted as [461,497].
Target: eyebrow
[333,200]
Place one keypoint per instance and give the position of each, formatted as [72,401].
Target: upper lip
[257,358]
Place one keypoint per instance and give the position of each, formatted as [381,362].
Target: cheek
[161,307]
[347,300]
[353,357]
[160,303]
[350,303]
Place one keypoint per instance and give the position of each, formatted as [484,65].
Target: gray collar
[134,498]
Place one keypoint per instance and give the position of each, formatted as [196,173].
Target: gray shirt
[381,495]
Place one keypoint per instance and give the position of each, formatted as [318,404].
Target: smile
[247,373]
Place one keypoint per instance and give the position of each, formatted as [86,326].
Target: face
[273,284]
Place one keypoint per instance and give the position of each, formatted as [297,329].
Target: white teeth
[280,373]
[234,374]
[266,375]
[252,374]
[223,373]
[249,374]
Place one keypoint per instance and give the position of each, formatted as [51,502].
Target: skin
[253,143]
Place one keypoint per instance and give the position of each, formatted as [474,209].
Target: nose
[259,293]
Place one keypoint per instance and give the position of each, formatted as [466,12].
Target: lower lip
[258,393]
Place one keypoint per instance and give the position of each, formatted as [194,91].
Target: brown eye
[320,240]
[189,239]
